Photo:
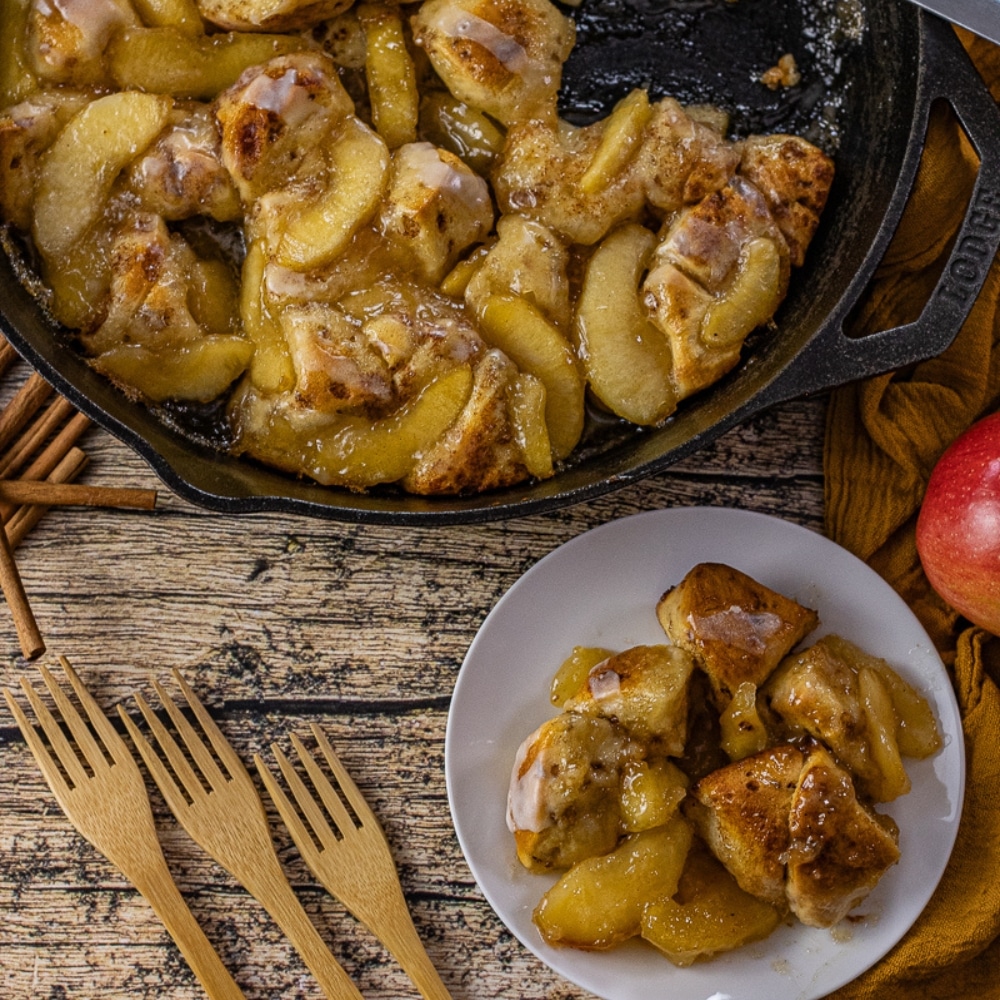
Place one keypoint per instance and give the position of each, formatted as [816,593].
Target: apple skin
[958,527]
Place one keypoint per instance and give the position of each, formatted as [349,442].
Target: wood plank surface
[279,621]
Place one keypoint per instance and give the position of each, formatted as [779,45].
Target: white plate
[600,589]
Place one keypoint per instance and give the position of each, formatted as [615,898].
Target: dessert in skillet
[699,793]
[367,237]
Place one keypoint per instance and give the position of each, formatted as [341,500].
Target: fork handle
[401,938]
[159,890]
[271,888]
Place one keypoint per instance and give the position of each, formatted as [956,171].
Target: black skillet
[870,75]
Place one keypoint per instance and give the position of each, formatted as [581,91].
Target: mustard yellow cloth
[883,437]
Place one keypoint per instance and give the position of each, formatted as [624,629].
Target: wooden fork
[354,861]
[229,822]
[106,801]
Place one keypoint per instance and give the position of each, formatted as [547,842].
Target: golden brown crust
[270,15]
[538,174]
[502,56]
[478,452]
[839,849]
[735,628]
[795,177]
[790,828]
[276,117]
[707,240]
[645,690]
[815,692]
[741,811]
[563,803]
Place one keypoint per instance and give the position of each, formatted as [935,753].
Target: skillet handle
[832,358]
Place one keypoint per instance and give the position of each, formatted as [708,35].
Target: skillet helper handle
[834,358]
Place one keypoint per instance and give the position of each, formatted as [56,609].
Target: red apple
[958,528]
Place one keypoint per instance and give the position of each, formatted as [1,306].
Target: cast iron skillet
[869,82]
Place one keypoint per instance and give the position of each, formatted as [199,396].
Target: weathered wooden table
[277,622]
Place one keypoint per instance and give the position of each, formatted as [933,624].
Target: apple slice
[172,60]
[79,169]
[751,299]
[527,413]
[627,360]
[359,452]
[622,137]
[518,329]
[358,173]
[195,371]
[599,902]
[709,914]
[271,368]
[392,78]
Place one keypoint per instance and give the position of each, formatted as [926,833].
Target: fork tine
[230,823]
[342,819]
[220,744]
[112,742]
[84,738]
[167,785]
[46,764]
[351,791]
[60,745]
[194,744]
[334,806]
[291,819]
[111,810]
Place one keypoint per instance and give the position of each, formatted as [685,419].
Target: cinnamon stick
[34,491]
[7,354]
[25,404]
[54,452]
[25,518]
[57,447]
[35,436]
[32,644]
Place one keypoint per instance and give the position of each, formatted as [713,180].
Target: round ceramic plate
[601,589]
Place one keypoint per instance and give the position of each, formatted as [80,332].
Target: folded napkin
[883,437]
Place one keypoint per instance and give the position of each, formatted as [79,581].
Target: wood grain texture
[278,622]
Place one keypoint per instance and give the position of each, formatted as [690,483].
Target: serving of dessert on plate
[773,758]
[718,737]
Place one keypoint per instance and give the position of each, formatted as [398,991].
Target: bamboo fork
[229,822]
[106,801]
[354,861]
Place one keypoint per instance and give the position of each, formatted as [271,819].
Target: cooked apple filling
[370,233]
[699,793]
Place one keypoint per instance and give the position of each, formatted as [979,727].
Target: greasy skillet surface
[712,51]
[859,95]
